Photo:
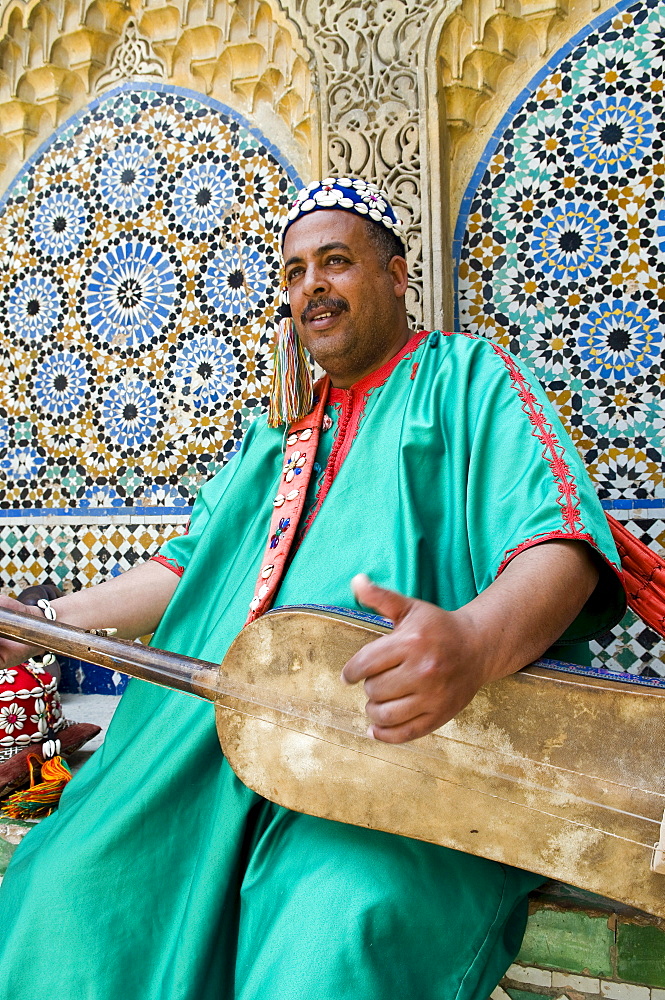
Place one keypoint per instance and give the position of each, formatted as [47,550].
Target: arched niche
[56,57]
[560,245]
[138,278]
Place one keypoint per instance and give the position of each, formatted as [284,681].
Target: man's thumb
[388,603]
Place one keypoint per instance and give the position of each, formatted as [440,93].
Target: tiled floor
[94,708]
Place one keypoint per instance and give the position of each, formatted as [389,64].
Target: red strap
[643,575]
[301,445]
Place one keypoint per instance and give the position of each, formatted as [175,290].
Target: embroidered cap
[350,194]
[291,394]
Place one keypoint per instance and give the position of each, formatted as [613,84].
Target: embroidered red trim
[554,452]
[169,563]
[546,537]
[565,536]
[379,377]
[289,502]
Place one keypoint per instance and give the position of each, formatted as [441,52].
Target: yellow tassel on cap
[292,391]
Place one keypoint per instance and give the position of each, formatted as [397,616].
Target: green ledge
[641,953]
[570,940]
[584,934]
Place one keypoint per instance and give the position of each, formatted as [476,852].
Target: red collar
[380,375]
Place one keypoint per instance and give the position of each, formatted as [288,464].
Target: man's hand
[423,673]
[433,663]
[12,653]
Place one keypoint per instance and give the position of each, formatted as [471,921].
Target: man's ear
[397,270]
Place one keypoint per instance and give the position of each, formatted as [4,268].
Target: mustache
[323,303]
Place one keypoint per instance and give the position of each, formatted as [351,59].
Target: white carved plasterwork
[373,113]
[131,59]
[58,55]
[400,85]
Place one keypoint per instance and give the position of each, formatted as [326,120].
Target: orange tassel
[291,393]
[43,796]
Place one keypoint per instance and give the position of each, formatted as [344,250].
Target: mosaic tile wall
[139,267]
[76,555]
[139,274]
[560,257]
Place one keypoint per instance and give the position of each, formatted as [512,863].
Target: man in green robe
[445,486]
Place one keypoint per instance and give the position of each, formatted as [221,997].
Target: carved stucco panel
[57,55]
[374,121]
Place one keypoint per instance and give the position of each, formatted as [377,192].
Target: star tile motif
[139,280]
[562,261]
[562,254]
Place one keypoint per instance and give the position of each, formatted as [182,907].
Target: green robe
[161,875]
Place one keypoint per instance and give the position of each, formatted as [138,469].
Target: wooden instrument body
[555,773]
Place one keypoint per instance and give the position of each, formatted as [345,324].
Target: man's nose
[315,282]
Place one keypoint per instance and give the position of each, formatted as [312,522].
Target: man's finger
[382,654]
[388,603]
[411,730]
[394,713]
[390,684]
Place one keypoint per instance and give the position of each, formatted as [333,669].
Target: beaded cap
[350,194]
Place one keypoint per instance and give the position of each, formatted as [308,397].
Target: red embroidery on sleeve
[548,536]
[553,450]
[564,536]
[169,563]
[554,454]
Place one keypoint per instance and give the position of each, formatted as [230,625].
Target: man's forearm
[532,603]
[133,604]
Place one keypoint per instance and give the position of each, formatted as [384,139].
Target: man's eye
[337,259]
[291,275]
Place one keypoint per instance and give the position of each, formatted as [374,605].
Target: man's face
[348,309]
